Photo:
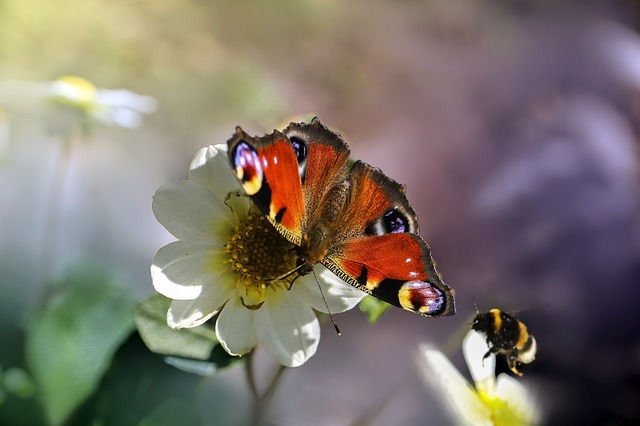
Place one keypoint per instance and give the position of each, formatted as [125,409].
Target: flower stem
[271,389]
[248,368]
[260,402]
[53,206]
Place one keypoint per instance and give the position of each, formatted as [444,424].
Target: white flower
[122,108]
[226,255]
[492,402]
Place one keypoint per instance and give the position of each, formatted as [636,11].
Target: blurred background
[514,125]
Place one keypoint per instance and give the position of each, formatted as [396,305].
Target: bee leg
[486,356]
[512,361]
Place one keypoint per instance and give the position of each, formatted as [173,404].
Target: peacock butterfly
[350,217]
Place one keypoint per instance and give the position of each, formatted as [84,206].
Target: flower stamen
[259,255]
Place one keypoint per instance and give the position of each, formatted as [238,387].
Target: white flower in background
[224,263]
[122,108]
[490,401]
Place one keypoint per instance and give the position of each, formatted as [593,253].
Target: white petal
[210,167]
[121,98]
[287,328]
[463,403]
[78,90]
[187,314]
[235,327]
[123,117]
[192,313]
[520,401]
[193,213]
[181,269]
[474,347]
[340,296]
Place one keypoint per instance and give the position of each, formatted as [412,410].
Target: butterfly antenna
[335,325]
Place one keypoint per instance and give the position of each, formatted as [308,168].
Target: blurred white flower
[490,401]
[225,262]
[122,108]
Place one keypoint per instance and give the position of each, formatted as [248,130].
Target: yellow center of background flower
[75,91]
[258,256]
[501,412]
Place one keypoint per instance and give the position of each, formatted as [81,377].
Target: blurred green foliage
[71,341]
[89,367]
[17,381]
[151,321]
[373,308]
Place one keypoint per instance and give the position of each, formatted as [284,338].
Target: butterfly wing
[288,175]
[381,252]
[322,168]
[267,168]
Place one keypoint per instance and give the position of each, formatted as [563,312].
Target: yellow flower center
[76,92]
[259,256]
[501,412]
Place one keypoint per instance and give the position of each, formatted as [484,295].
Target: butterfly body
[351,218]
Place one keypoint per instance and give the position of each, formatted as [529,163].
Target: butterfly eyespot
[301,151]
[395,222]
[392,222]
[300,148]
[247,167]
[421,297]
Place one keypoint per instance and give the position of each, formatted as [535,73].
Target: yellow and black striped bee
[506,335]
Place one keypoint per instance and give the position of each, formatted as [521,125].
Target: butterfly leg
[287,275]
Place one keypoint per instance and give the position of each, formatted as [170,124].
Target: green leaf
[18,382]
[193,366]
[218,360]
[151,320]
[172,412]
[373,308]
[194,350]
[2,393]
[71,342]
[137,382]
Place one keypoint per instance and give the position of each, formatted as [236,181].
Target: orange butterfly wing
[323,166]
[385,256]
[267,168]
[396,268]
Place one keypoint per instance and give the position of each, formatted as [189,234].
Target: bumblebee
[506,335]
